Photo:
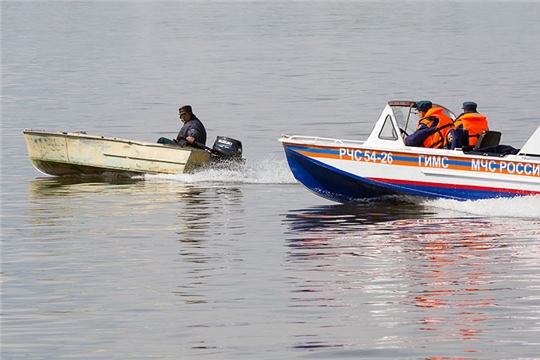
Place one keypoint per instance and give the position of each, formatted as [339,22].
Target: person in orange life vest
[471,123]
[432,127]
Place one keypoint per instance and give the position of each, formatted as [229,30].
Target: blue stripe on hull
[339,186]
[331,184]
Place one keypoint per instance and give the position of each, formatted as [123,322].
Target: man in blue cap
[432,128]
[470,124]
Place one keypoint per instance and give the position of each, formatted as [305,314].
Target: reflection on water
[433,277]
[41,188]
[70,212]
[203,219]
[201,215]
[91,244]
[200,211]
[343,216]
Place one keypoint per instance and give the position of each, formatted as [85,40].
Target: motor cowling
[227,148]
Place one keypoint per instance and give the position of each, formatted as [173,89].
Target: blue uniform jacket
[422,132]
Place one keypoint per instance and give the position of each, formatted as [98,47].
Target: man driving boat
[192,132]
[432,127]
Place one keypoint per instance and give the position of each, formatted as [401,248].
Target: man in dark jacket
[193,131]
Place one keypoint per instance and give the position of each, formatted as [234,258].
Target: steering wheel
[404,133]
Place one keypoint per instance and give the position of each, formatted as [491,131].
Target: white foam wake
[517,207]
[258,171]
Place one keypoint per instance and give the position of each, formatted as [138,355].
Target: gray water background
[249,264]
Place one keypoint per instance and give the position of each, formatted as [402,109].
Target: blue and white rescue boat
[382,166]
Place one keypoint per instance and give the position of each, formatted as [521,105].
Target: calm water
[247,263]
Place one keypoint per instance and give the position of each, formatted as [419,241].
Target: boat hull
[351,174]
[383,165]
[331,183]
[65,154]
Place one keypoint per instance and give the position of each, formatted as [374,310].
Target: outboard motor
[227,149]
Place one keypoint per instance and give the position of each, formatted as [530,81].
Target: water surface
[247,263]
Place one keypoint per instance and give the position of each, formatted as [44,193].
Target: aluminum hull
[69,154]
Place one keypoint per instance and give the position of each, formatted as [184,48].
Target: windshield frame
[407,117]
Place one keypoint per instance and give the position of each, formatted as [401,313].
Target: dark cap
[423,105]
[185,109]
[469,106]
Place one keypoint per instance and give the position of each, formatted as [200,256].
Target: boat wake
[276,171]
[517,207]
[264,171]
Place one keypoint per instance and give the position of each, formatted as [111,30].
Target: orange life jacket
[438,138]
[475,123]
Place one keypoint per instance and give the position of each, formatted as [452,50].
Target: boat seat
[487,139]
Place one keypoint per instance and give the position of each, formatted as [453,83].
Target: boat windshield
[407,117]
